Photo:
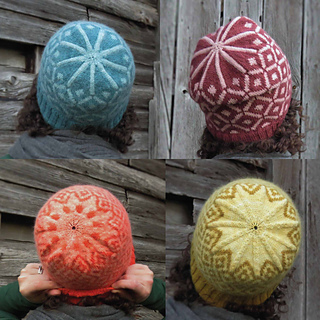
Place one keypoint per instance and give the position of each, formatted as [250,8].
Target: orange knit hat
[83,238]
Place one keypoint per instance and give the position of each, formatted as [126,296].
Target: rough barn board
[297,177]
[25,185]
[21,48]
[292,23]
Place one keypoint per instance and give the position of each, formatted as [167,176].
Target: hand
[36,287]
[136,284]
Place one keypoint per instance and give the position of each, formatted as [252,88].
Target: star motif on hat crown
[92,57]
[218,50]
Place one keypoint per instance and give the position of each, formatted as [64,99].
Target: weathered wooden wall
[293,24]
[25,28]
[189,184]
[25,185]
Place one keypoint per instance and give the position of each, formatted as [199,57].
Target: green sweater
[14,306]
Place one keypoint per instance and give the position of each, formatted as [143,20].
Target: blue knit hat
[86,75]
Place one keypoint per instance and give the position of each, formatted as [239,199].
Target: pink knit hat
[83,239]
[242,82]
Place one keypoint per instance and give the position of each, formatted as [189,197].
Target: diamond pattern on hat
[242,62]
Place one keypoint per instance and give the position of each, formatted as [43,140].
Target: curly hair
[112,299]
[30,119]
[286,138]
[185,291]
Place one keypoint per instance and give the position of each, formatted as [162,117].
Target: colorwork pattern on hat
[246,239]
[83,239]
[242,81]
[86,76]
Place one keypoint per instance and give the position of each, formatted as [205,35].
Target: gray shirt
[72,312]
[177,310]
[63,144]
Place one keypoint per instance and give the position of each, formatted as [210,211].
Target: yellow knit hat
[245,241]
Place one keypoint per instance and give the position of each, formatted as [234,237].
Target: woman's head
[31,120]
[242,81]
[84,83]
[245,242]
[83,239]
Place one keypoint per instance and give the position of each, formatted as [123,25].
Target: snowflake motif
[219,50]
[93,58]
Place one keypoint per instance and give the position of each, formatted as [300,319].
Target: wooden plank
[132,10]
[21,200]
[144,75]
[23,172]
[154,167]
[53,10]
[290,175]
[34,31]
[8,114]
[185,183]
[120,175]
[143,119]
[311,79]
[128,29]
[15,85]
[227,170]
[312,207]
[158,133]
[177,236]
[12,58]
[146,206]
[168,22]
[249,8]
[196,19]
[188,165]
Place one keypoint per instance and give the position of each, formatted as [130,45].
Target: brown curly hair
[185,291]
[30,119]
[286,138]
[112,299]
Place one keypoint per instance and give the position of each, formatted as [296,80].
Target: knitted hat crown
[83,239]
[85,78]
[242,82]
[245,241]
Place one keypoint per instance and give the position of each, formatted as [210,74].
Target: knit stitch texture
[246,239]
[242,81]
[83,239]
[86,75]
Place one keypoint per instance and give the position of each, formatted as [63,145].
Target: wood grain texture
[154,167]
[128,9]
[249,8]
[119,174]
[290,176]
[34,31]
[54,10]
[312,232]
[188,119]
[168,22]
[311,79]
